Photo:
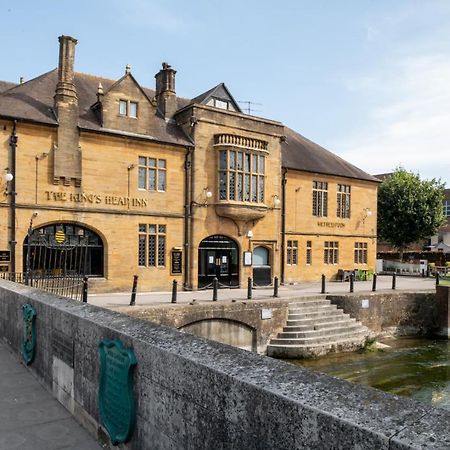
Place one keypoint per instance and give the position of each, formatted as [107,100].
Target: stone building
[112,179]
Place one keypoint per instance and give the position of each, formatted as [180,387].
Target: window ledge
[241,211]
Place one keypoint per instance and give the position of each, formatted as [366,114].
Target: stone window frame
[331,252]
[360,252]
[308,253]
[292,252]
[152,245]
[343,201]
[146,168]
[127,106]
[242,175]
[320,198]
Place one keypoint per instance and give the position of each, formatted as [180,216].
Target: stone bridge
[191,393]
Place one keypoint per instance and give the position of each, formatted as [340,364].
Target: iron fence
[69,286]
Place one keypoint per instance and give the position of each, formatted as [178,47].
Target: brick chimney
[67,155]
[165,91]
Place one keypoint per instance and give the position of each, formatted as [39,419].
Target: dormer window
[221,104]
[128,108]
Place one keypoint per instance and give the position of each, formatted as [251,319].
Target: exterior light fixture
[250,234]
[8,176]
[367,212]
[276,201]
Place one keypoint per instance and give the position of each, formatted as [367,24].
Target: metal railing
[69,286]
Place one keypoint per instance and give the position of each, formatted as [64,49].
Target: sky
[367,79]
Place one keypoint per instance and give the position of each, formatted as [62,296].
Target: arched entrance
[262,273]
[63,248]
[218,257]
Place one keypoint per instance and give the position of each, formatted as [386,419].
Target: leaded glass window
[152,174]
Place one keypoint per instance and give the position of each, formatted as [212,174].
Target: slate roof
[299,153]
[5,85]
[33,101]
[221,92]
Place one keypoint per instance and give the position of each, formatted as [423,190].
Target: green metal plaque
[29,333]
[116,401]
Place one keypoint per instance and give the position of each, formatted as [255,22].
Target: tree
[409,209]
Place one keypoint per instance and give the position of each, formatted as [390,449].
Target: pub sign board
[5,255]
[177,260]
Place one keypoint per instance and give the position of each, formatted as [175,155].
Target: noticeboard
[177,260]
[5,255]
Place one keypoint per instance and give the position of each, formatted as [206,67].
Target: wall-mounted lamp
[207,194]
[276,202]
[7,178]
[250,234]
[367,212]
[129,167]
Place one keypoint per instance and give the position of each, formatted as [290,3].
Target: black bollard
[423,273]
[249,288]
[174,291]
[352,281]
[437,278]
[374,282]
[85,289]
[322,291]
[394,280]
[215,289]
[275,287]
[134,290]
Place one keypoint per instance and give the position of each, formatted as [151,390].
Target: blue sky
[367,79]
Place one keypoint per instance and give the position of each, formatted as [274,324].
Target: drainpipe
[187,216]
[12,204]
[283,222]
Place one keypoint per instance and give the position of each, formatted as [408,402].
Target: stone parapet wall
[399,313]
[197,394]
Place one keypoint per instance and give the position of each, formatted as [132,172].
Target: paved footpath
[30,418]
[384,285]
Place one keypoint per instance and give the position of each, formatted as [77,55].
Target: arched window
[64,248]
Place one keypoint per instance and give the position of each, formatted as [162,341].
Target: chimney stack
[165,91]
[66,86]
[67,155]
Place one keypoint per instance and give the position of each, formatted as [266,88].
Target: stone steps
[315,327]
[320,332]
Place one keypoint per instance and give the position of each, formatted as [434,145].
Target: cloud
[408,116]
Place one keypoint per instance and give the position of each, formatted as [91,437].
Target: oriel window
[152,174]
[241,176]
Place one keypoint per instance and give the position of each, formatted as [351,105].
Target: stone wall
[401,313]
[197,394]
[256,321]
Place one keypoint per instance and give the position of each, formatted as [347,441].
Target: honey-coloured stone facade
[84,168]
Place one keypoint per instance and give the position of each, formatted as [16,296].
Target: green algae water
[416,368]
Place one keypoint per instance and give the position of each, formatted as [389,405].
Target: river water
[416,368]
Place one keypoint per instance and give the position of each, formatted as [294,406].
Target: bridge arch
[227,331]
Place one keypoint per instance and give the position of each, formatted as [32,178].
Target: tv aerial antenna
[249,106]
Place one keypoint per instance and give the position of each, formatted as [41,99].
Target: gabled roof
[220,92]
[5,85]
[302,154]
[33,101]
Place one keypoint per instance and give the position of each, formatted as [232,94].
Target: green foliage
[409,209]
